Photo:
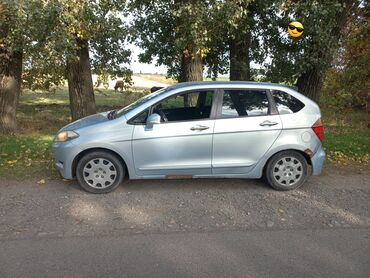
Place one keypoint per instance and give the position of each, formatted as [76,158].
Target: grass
[26,156]
[345,146]
[221,78]
[42,114]
[346,136]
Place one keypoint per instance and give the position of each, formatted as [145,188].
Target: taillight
[318,128]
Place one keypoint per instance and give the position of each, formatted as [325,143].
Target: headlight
[65,136]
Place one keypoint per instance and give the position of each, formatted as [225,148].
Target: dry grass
[159,78]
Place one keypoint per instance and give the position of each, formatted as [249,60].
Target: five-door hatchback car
[197,130]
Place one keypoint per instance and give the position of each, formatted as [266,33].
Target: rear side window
[286,103]
[241,103]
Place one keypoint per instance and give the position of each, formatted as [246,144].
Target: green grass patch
[41,112]
[26,156]
[346,145]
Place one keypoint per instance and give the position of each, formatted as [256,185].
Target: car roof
[227,84]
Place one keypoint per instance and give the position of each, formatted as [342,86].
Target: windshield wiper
[112,115]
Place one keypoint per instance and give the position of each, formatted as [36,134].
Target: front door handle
[199,127]
[268,123]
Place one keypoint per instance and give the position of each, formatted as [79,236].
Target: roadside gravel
[338,198]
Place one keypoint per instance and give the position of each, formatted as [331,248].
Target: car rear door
[246,127]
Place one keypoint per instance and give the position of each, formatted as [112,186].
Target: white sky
[136,66]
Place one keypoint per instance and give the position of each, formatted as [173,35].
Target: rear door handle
[199,127]
[268,123]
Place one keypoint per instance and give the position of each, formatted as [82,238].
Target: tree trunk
[239,58]
[191,66]
[310,84]
[80,84]
[10,86]
[191,70]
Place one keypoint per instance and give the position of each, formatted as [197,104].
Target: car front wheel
[100,172]
[286,170]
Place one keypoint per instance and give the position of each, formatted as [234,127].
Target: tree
[304,61]
[82,37]
[178,34]
[240,40]
[19,22]
[349,77]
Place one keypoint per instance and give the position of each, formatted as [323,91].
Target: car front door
[244,130]
[182,143]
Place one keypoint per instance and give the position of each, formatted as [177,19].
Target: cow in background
[119,85]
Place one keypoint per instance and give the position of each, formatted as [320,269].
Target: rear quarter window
[286,103]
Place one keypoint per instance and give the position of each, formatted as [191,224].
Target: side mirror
[153,120]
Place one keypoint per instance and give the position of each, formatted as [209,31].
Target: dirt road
[336,203]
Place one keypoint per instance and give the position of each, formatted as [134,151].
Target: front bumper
[318,161]
[64,153]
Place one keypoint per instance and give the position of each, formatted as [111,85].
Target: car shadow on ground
[184,184]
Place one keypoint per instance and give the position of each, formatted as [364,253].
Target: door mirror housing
[153,119]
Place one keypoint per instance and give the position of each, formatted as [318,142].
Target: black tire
[108,182]
[294,176]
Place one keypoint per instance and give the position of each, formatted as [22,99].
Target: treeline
[42,43]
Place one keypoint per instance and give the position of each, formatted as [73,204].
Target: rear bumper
[318,161]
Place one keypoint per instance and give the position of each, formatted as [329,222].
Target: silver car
[197,130]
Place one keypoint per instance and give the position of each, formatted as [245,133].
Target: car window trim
[269,109]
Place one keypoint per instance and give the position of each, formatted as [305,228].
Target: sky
[138,67]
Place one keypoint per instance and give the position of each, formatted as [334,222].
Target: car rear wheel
[100,172]
[286,170]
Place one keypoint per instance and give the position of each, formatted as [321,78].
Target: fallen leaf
[41,182]
[281,210]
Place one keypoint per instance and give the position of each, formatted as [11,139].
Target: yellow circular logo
[295,29]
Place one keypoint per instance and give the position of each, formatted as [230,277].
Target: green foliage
[291,57]
[350,73]
[165,29]
[101,23]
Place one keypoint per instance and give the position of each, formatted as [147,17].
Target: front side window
[286,103]
[141,118]
[185,107]
[241,103]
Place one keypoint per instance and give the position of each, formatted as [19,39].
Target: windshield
[140,101]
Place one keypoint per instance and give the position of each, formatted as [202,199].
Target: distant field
[158,78]
[222,78]
[164,79]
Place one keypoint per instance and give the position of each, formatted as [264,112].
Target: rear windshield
[286,103]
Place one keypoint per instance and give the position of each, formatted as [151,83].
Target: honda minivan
[197,130]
